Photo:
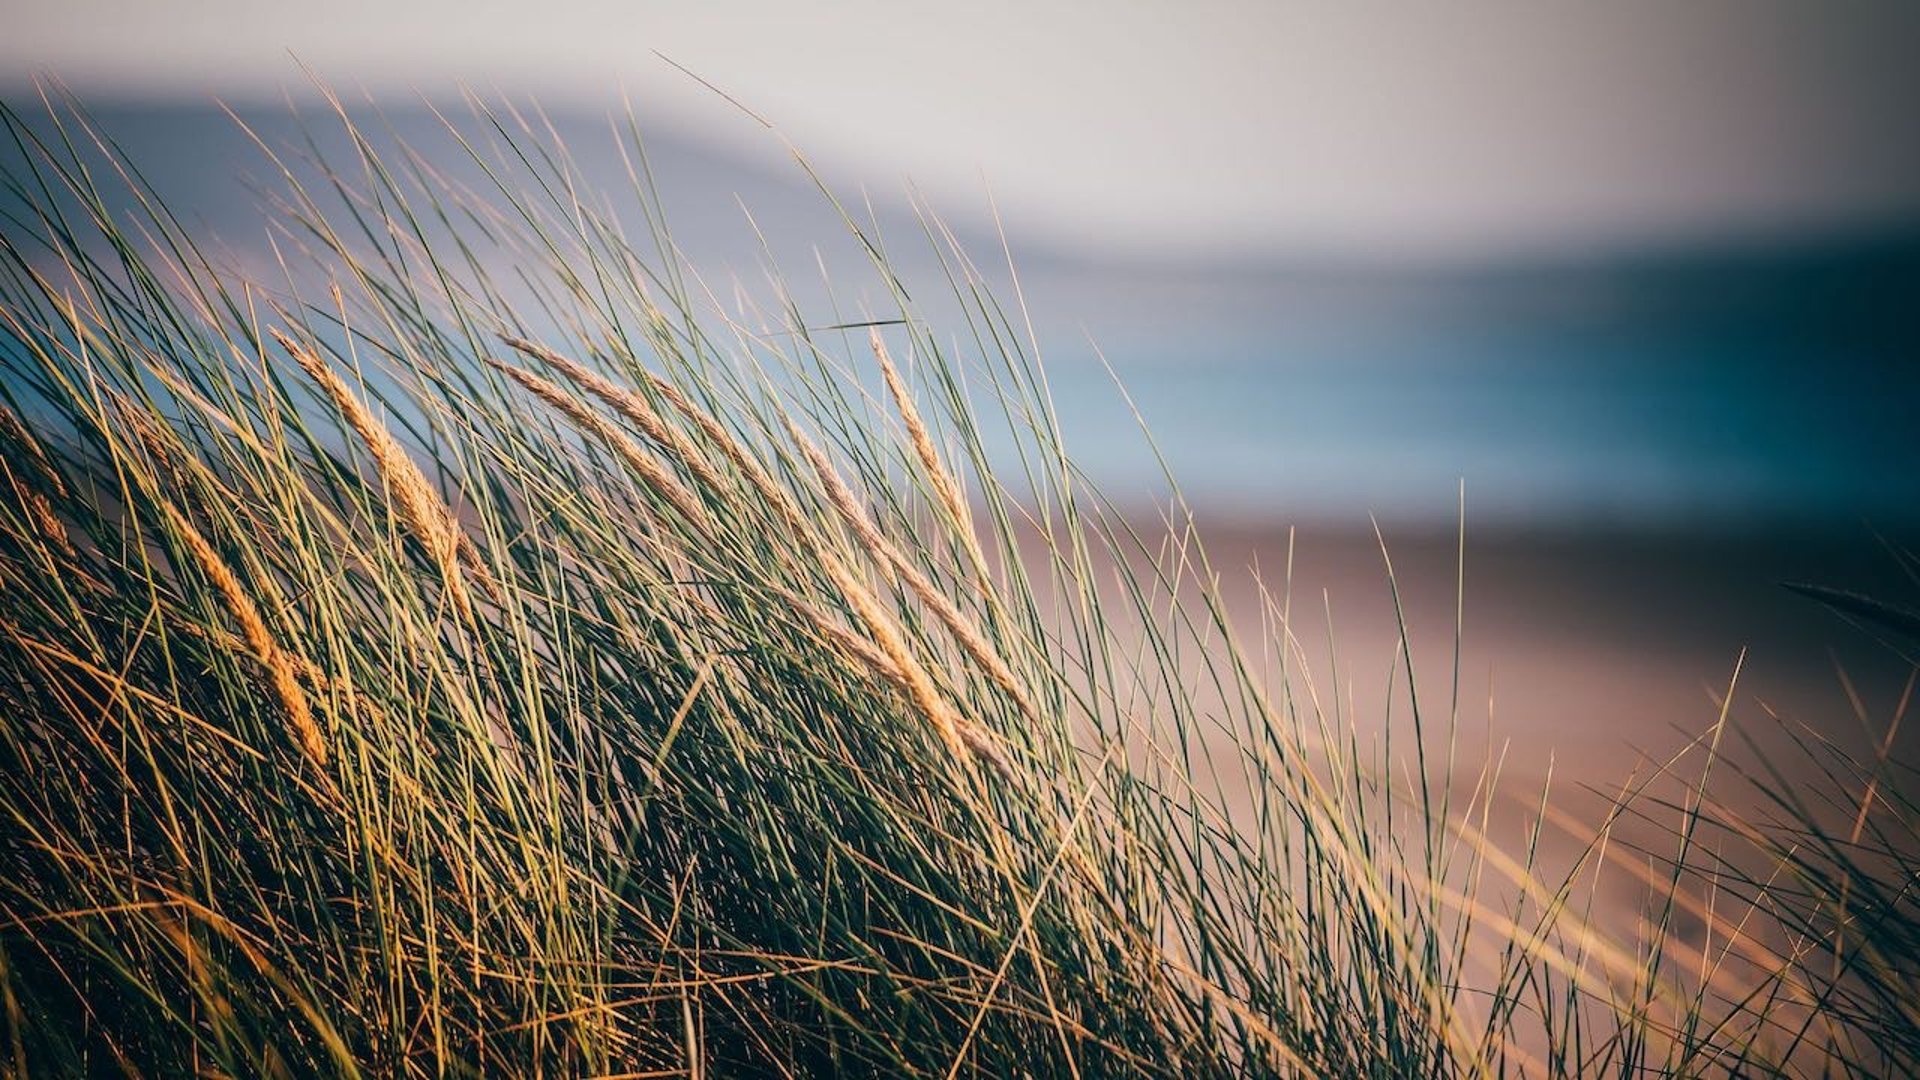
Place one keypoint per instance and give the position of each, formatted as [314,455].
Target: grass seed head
[281,666]
[420,507]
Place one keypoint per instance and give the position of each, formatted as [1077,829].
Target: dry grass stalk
[945,485]
[919,686]
[755,473]
[16,432]
[829,630]
[888,556]
[893,660]
[858,647]
[431,520]
[45,521]
[282,667]
[628,404]
[309,672]
[624,446]
[911,676]
[148,434]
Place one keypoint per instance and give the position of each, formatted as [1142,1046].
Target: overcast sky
[1208,127]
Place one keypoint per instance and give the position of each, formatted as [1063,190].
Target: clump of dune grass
[478,652]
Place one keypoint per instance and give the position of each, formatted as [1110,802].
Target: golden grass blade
[17,433]
[889,557]
[628,404]
[898,664]
[423,510]
[945,484]
[281,665]
[622,445]
[755,473]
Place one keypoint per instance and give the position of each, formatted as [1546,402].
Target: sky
[1643,262]
[1204,129]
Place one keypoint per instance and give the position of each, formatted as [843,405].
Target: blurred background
[1643,277]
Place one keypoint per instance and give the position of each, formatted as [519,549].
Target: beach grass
[479,647]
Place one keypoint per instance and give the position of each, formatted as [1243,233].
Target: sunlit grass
[479,649]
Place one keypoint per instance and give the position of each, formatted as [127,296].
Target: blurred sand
[1584,650]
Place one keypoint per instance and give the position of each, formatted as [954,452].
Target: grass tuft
[683,709]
